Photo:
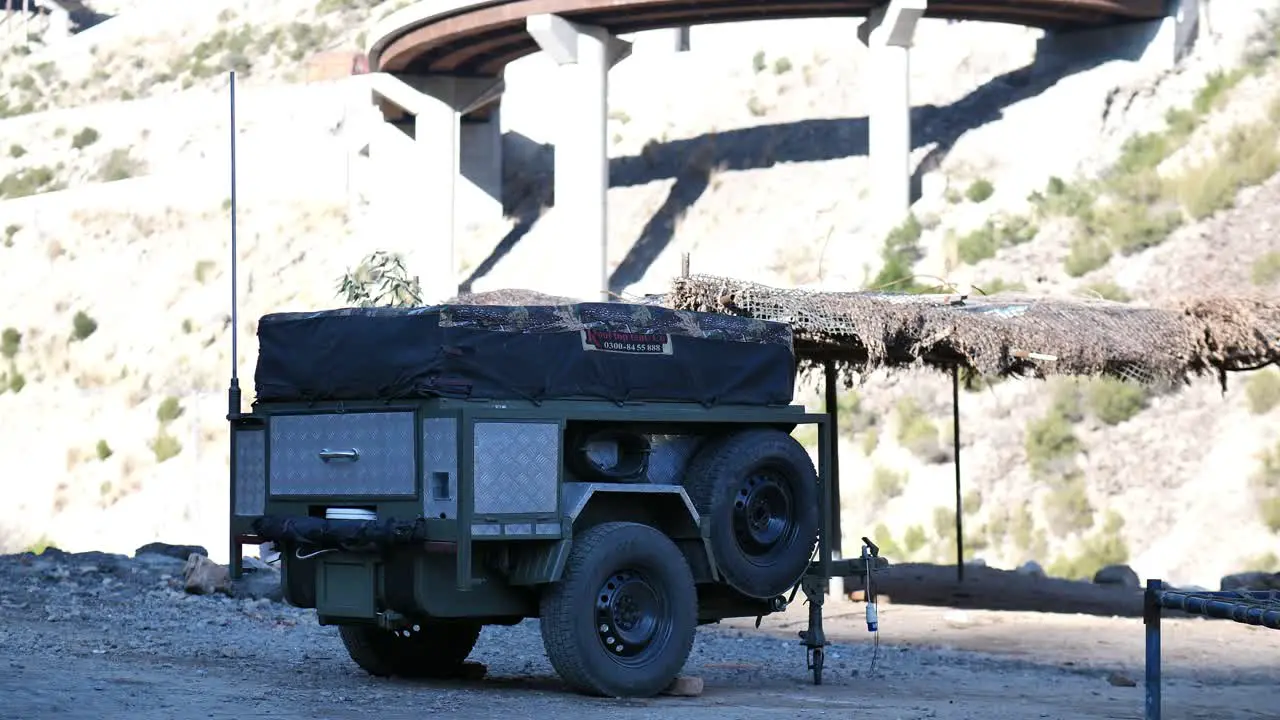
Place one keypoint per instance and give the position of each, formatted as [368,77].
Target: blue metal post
[1151,619]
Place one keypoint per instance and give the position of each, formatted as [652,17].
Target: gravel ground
[104,636]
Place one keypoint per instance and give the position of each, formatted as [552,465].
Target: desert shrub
[1262,391]
[900,254]
[26,181]
[870,441]
[10,342]
[1115,401]
[120,165]
[1266,488]
[994,235]
[203,268]
[971,503]
[1246,156]
[1266,269]
[756,107]
[979,190]
[757,61]
[16,151]
[1104,547]
[1086,254]
[170,409]
[1050,443]
[17,381]
[944,522]
[914,539]
[1266,562]
[917,433]
[84,138]
[103,450]
[165,446]
[806,435]
[781,66]
[82,326]
[996,285]
[851,417]
[1108,290]
[889,546]
[9,232]
[1067,507]
[886,485]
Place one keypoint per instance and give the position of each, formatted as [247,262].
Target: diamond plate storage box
[595,351]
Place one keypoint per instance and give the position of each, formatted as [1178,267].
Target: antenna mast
[233,392]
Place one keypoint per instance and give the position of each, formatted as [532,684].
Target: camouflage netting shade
[1005,334]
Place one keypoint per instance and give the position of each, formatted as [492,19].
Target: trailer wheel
[760,490]
[621,621]
[428,649]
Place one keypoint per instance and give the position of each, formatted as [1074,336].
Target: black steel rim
[632,618]
[764,522]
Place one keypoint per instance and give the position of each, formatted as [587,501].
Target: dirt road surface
[97,636]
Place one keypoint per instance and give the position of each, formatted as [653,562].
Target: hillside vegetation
[114,218]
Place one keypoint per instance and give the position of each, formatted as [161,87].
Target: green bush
[82,326]
[1067,507]
[1086,254]
[757,61]
[203,268]
[870,441]
[1262,390]
[10,343]
[1103,548]
[1266,487]
[16,151]
[1266,269]
[979,190]
[994,235]
[17,381]
[781,66]
[1246,156]
[1049,443]
[170,409]
[26,181]
[9,232]
[889,547]
[900,254]
[1115,401]
[914,539]
[1108,290]
[120,165]
[917,433]
[165,447]
[886,485]
[104,450]
[84,138]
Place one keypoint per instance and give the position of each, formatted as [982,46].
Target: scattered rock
[1251,581]
[180,552]
[202,576]
[1121,680]
[1117,575]
[1032,568]
[685,686]
[258,584]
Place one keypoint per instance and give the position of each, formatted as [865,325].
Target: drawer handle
[327,455]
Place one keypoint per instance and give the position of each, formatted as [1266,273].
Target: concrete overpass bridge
[439,66]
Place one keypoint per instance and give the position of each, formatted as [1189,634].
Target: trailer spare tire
[759,490]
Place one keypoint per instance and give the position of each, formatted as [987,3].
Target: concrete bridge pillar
[666,40]
[579,214]
[888,33]
[421,152]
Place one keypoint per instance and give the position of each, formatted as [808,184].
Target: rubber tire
[436,651]
[568,622]
[712,479]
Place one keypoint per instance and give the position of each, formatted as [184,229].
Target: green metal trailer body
[470,513]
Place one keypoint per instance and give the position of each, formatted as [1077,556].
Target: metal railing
[1248,607]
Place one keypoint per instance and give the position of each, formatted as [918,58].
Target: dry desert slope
[1102,179]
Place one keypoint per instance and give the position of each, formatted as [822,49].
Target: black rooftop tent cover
[612,351]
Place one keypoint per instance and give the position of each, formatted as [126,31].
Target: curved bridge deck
[477,37]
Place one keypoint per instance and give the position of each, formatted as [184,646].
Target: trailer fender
[665,507]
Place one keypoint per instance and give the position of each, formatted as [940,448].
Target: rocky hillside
[1105,180]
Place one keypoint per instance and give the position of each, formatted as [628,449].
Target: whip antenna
[233,392]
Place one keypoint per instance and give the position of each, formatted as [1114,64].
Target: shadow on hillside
[528,186]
